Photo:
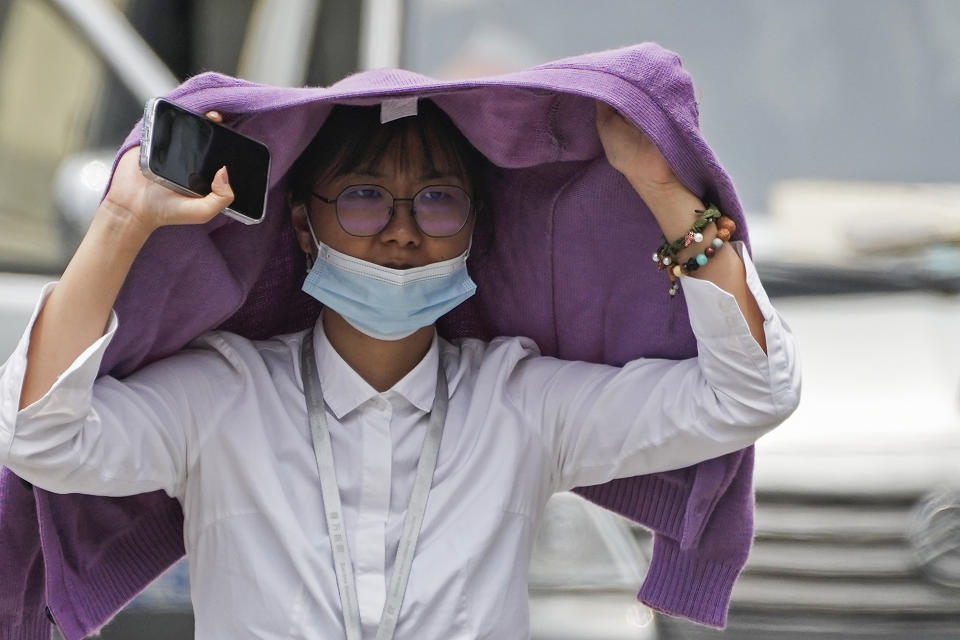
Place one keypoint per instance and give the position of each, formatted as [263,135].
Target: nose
[402,228]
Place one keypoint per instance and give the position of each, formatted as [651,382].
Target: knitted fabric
[569,266]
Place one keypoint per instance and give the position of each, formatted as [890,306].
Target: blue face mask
[385,303]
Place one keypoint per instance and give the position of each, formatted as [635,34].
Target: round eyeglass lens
[441,210]
[364,210]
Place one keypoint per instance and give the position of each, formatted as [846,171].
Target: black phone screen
[188,149]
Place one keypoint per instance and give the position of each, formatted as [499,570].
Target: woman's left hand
[674,206]
[632,153]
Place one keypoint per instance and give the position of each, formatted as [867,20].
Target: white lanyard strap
[413,520]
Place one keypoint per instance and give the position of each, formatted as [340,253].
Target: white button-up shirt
[222,427]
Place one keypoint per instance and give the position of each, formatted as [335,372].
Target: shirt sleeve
[101,436]
[601,422]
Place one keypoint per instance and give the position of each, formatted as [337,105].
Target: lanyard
[323,450]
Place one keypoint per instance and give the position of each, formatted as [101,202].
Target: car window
[64,111]
[50,82]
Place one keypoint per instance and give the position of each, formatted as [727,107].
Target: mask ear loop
[309,257]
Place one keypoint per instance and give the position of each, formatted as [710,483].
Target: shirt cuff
[720,327]
[714,312]
[70,393]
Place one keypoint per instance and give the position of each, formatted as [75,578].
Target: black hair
[352,140]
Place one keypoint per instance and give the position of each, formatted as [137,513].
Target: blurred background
[840,124]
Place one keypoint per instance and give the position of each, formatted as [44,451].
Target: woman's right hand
[78,309]
[150,205]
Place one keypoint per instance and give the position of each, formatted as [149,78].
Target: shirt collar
[344,390]
[419,386]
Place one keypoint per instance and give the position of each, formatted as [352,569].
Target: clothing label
[396,108]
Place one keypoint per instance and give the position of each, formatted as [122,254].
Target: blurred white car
[858,492]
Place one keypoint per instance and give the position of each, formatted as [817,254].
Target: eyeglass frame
[392,208]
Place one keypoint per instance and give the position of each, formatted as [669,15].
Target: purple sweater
[569,266]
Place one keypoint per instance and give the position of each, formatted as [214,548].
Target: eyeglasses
[439,211]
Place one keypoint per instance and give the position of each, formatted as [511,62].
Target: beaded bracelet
[671,249]
[725,229]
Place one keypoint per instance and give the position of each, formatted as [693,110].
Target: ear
[298,219]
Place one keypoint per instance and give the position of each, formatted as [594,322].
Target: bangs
[352,140]
[404,142]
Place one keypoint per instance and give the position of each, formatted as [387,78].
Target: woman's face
[400,244]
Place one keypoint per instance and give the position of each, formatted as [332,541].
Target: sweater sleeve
[602,422]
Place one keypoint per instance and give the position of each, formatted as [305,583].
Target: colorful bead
[692,264]
[698,237]
[726,223]
[688,240]
[667,261]
[701,259]
[717,243]
[723,234]
[677,270]
[709,251]
[656,257]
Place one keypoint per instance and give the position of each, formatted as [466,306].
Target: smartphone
[182,150]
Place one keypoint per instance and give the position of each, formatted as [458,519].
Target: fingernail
[222,178]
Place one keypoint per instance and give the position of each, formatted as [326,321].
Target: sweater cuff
[35,629]
[89,598]
[680,583]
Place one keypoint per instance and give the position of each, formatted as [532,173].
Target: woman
[227,428]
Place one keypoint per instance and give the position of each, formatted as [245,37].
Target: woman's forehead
[410,153]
